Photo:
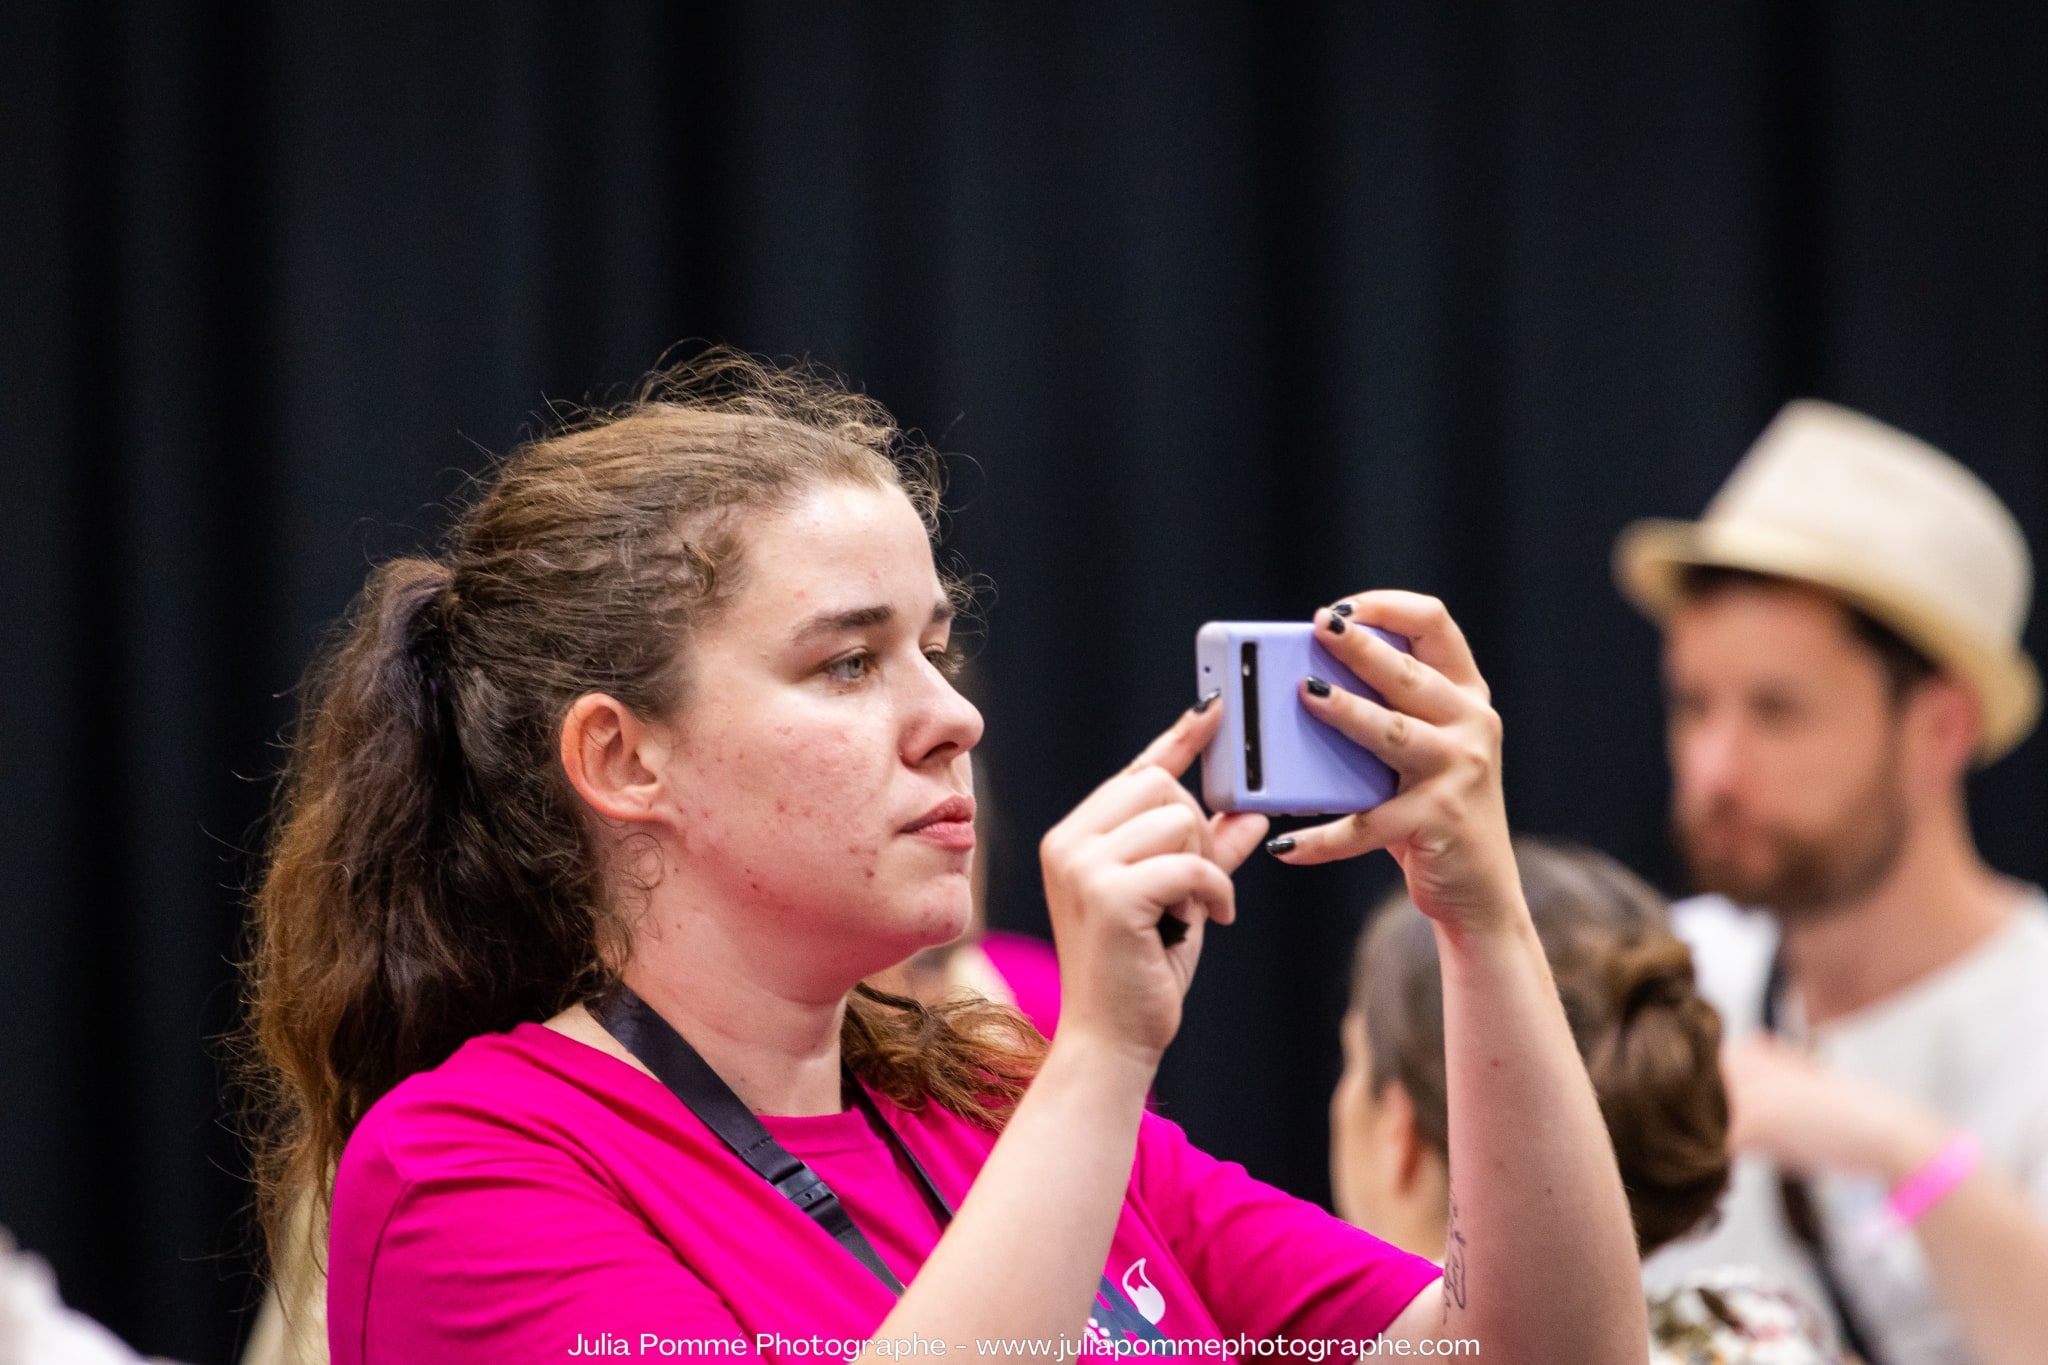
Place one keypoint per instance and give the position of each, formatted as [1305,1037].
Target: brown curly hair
[429,877]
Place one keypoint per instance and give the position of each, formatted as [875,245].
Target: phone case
[1271,755]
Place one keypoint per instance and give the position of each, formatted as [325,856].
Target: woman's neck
[780,1055]
[776,1047]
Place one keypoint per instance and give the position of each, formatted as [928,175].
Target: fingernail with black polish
[1283,844]
[1316,686]
[1342,608]
[1208,700]
[1335,624]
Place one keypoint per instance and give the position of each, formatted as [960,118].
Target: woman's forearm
[1539,1259]
[1024,1254]
[1540,1262]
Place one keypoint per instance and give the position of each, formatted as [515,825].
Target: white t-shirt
[1969,1041]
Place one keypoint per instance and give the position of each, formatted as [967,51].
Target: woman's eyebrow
[839,622]
[858,618]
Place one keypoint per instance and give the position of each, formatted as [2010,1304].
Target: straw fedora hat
[1886,522]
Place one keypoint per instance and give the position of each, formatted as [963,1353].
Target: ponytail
[377,949]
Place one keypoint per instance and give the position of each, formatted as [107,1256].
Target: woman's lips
[950,824]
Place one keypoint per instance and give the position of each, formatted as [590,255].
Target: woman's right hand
[1137,848]
[1023,1258]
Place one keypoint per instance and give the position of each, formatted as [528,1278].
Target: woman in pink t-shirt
[664,750]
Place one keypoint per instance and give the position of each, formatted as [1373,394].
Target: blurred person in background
[1841,647]
[1652,1046]
[37,1329]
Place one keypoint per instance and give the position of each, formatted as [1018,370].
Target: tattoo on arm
[1454,1261]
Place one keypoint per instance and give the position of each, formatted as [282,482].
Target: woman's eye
[852,668]
[946,659]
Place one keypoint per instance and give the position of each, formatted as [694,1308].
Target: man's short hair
[1905,664]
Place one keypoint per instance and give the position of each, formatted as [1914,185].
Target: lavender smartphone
[1271,755]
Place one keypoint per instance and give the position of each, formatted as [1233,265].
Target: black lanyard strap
[704,1093]
[1795,1201]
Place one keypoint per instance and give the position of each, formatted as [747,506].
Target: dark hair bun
[1655,1063]
[1651,1044]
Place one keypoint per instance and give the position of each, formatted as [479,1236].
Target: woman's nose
[946,723]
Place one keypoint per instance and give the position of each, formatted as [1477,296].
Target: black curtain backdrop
[1233,308]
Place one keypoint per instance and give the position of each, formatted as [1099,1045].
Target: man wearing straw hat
[1841,646]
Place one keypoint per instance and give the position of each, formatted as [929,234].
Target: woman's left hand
[1447,826]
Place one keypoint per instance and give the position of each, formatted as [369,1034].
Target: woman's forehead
[843,549]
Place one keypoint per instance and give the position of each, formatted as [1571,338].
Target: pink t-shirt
[533,1198]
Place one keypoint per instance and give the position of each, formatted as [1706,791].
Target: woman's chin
[940,912]
[931,913]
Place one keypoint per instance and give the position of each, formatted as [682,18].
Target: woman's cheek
[830,797]
[838,779]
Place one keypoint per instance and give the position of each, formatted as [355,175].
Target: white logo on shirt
[1143,1296]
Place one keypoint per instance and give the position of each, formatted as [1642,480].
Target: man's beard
[1807,877]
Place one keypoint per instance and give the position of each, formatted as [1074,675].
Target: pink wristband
[1926,1187]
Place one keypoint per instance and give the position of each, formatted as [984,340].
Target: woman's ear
[613,758]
